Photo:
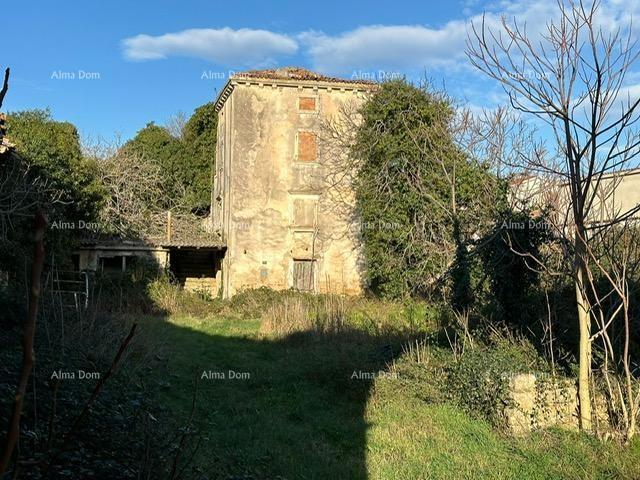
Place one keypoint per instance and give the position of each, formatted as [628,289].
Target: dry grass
[289,312]
[322,314]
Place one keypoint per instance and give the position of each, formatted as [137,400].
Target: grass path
[299,415]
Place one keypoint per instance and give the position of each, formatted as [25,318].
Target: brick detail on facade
[307,104]
[307,147]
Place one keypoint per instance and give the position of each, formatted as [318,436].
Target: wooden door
[303,275]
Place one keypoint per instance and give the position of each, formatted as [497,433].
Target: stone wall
[542,401]
[206,285]
[534,403]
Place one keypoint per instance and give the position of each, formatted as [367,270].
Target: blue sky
[111,67]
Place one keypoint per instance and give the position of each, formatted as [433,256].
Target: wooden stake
[169,226]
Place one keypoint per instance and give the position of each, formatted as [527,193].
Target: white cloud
[419,47]
[378,51]
[386,46]
[224,46]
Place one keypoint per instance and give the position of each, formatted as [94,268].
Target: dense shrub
[479,378]
[509,253]
[170,298]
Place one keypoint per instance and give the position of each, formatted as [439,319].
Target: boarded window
[307,147]
[303,275]
[304,212]
[303,245]
[307,103]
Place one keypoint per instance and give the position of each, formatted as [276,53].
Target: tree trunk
[28,354]
[584,323]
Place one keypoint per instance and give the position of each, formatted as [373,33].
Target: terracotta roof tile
[297,73]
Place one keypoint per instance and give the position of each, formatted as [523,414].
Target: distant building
[270,203]
[617,196]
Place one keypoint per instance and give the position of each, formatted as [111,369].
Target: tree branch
[5,85]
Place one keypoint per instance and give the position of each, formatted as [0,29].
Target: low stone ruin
[542,401]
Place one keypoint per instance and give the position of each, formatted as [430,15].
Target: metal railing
[71,287]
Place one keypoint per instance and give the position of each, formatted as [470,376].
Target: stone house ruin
[276,221]
[280,224]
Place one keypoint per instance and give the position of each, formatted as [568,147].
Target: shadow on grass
[285,408]
[291,408]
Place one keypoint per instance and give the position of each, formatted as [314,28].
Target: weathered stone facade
[270,203]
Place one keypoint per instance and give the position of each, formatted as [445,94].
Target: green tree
[416,193]
[185,162]
[200,137]
[53,173]
[53,153]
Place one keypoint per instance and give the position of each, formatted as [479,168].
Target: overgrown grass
[296,386]
[73,352]
[357,388]
[328,313]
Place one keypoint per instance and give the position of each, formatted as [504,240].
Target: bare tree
[134,191]
[136,205]
[613,271]
[572,79]
[176,123]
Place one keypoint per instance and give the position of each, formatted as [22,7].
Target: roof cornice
[291,83]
